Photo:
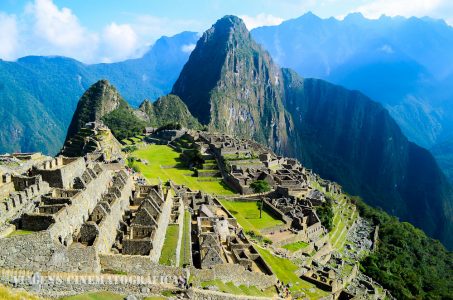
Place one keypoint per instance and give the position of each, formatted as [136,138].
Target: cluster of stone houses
[142,223]
[216,237]
[301,218]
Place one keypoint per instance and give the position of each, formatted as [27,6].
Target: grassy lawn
[284,270]
[293,247]
[12,294]
[248,215]
[185,243]
[164,164]
[230,288]
[20,232]
[168,255]
[95,296]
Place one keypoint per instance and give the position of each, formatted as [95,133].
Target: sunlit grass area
[168,254]
[285,270]
[185,243]
[230,288]
[95,296]
[248,215]
[20,232]
[163,163]
[12,294]
[293,247]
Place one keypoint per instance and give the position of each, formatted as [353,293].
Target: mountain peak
[99,100]
[229,21]
[225,28]
[231,84]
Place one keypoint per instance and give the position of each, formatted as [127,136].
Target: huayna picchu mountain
[232,85]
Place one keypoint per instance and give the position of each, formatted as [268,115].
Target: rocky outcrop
[99,100]
[232,85]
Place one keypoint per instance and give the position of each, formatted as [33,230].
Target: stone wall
[20,202]
[59,284]
[297,237]
[61,175]
[109,224]
[162,224]
[213,295]
[72,217]
[276,212]
[234,273]
[6,189]
[137,265]
[38,251]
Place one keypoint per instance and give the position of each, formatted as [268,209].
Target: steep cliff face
[232,85]
[347,137]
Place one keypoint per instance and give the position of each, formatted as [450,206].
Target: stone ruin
[302,219]
[217,238]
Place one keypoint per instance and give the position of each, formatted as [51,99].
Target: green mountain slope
[38,95]
[168,109]
[232,85]
[102,102]
[406,261]
[349,138]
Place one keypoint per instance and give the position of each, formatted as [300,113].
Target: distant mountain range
[402,63]
[38,95]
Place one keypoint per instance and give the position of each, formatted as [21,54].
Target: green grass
[20,232]
[126,142]
[161,155]
[284,270]
[248,215]
[185,243]
[293,247]
[95,296]
[116,272]
[342,211]
[168,254]
[230,288]
[7,293]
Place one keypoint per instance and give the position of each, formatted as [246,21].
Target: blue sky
[113,30]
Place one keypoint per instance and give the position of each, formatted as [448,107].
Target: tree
[260,186]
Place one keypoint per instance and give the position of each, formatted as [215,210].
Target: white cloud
[48,30]
[118,42]
[8,36]
[260,20]
[188,48]
[59,27]
[387,49]
[406,8]
[43,28]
